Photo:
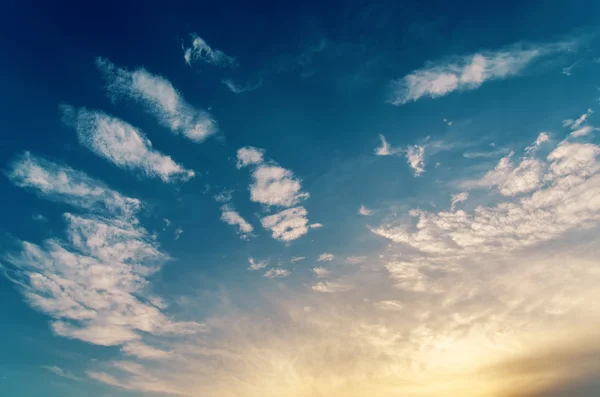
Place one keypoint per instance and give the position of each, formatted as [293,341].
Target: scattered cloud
[239,89]
[331,287]
[249,155]
[224,197]
[123,144]
[231,217]
[364,211]
[355,260]
[385,149]
[321,272]
[391,305]
[491,153]
[583,131]
[325,257]
[574,124]
[257,265]
[458,198]
[415,155]
[39,218]
[287,225]
[295,259]
[276,186]
[177,233]
[447,122]
[61,372]
[160,98]
[61,183]
[199,50]
[143,351]
[468,72]
[315,225]
[277,273]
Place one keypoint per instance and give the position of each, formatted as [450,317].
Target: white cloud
[177,233]
[355,260]
[61,183]
[447,122]
[277,273]
[287,225]
[315,225]
[224,197]
[415,155]
[201,51]
[61,372]
[140,350]
[458,198]
[391,305]
[160,98]
[321,272]
[466,73]
[325,257]
[257,265]
[249,155]
[231,217]
[364,211]
[93,284]
[276,186]
[542,137]
[386,149]
[295,259]
[575,124]
[331,287]
[583,131]
[239,89]
[123,145]
[512,180]
[39,218]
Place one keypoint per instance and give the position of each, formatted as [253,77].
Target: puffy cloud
[276,186]
[231,217]
[257,265]
[415,155]
[287,225]
[277,273]
[321,272]
[364,211]
[160,98]
[249,155]
[467,73]
[325,257]
[123,144]
[201,51]
[61,183]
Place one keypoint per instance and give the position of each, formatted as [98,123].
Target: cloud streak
[199,50]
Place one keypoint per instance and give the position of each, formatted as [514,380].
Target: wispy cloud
[122,144]
[61,372]
[331,287]
[364,211]
[160,98]
[62,183]
[577,126]
[277,273]
[325,257]
[257,265]
[143,351]
[415,155]
[239,89]
[458,198]
[199,50]
[385,149]
[295,259]
[321,272]
[230,216]
[468,72]
[92,284]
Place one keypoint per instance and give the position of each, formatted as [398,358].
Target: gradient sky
[342,200]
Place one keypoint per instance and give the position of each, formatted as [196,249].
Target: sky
[338,199]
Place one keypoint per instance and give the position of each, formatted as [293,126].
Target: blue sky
[346,199]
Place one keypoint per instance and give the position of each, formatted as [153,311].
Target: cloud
[331,287]
[249,155]
[415,155]
[364,211]
[122,144]
[583,131]
[61,183]
[355,260]
[386,149]
[391,305]
[61,372]
[177,233]
[93,283]
[467,72]
[145,352]
[160,98]
[315,225]
[276,186]
[231,217]
[511,179]
[201,51]
[325,257]
[257,265]
[277,273]
[239,89]
[295,259]
[321,272]
[458,198]
[39,218]
[575,124]
[287,225]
